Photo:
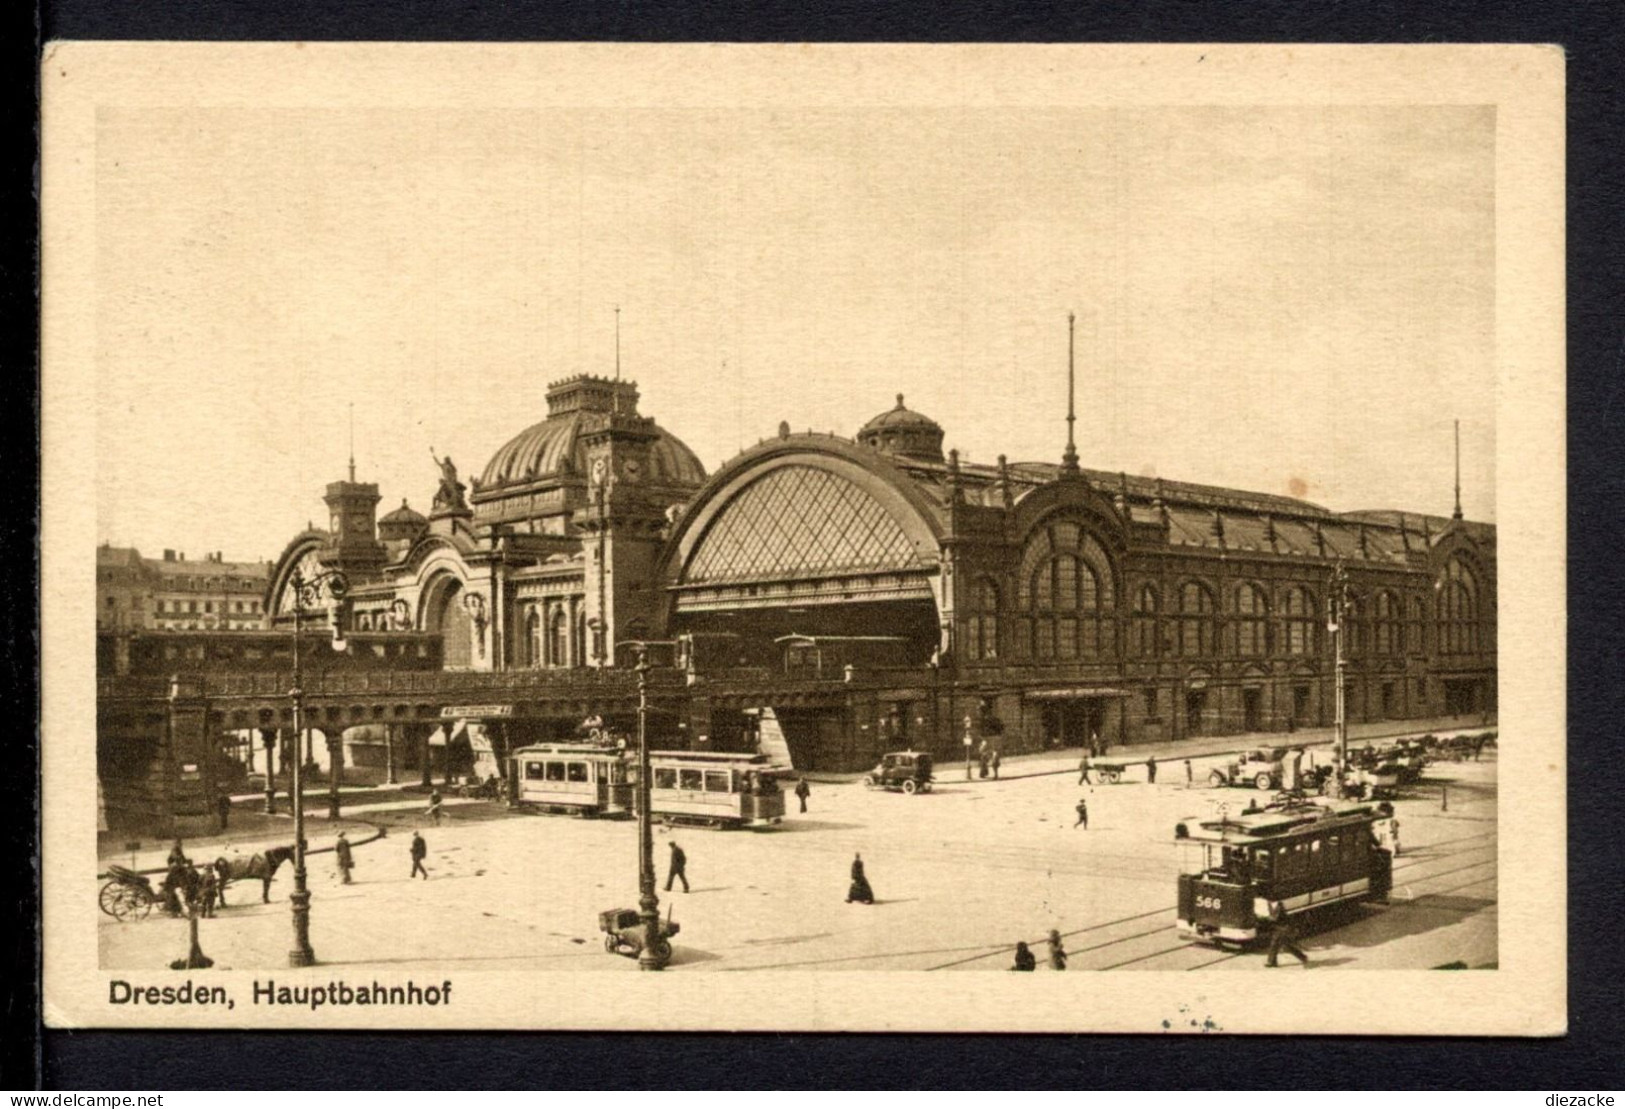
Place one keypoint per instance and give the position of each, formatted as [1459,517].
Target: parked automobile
[1260,768]
[908,771]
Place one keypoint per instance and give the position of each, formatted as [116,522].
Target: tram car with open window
[584,779]
[717,789]
[1308,855]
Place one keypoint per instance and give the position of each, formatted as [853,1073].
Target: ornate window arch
[1252,620]
[558,640]
[1196,621]
[1458,609]
[984,622]
[1065,595]
[1301,621]
[1387,625]
[1147,606]
[533,638]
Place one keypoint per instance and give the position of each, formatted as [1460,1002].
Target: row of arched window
[550,638]
[1063,611]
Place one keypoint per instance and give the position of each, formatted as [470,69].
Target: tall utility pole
[1336,609]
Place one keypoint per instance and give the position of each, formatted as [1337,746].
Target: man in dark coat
[177,856]
[419,850]
[1083,769]
[802,792]
[679,865]
[346,861]
[1283,936]
[224,805]
[1151,771]
[859,890]
[1024,957]
[1057,951]
[1083,814]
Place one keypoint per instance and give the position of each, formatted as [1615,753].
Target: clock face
[632,468]
[337,519]
[598,468]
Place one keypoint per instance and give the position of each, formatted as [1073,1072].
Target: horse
[262,866]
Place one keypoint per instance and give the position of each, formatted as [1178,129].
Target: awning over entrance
[1077,693]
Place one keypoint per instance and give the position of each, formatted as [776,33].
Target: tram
[1306,854]
[586,779]
[719,789]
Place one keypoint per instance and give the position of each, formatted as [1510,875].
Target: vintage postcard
[968,538]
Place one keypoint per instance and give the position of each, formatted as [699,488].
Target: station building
[876,592]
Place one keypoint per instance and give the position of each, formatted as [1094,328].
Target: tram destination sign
[467,712]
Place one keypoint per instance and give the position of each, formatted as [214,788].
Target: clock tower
[622,522]
[352,526]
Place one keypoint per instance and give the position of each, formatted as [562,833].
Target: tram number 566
[1212,903]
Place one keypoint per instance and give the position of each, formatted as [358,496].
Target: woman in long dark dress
[860,890]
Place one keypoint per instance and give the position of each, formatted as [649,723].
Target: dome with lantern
[902,431]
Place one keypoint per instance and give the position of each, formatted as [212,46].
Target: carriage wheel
[1217,779]
[910,785]
[109,898]
[140,904]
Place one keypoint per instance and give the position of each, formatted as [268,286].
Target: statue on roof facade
[450,493]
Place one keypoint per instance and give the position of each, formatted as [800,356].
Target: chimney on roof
[1363,552]
[955,494]
[1218,525]
[1269,530]
[1004,482]
[169,555]
[1121,499]
[1158,503]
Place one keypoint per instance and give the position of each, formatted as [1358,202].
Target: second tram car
[1304,854]
[587,779]
[717,788]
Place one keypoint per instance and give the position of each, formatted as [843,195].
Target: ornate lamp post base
[301,955]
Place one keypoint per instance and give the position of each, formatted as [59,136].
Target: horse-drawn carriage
[127,895]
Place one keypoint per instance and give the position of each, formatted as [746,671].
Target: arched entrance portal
[448,618]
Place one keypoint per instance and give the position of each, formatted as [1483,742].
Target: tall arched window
[1416,626]
[1064,595]
[1252,620]
[1385,618]
[984,624]
[1196,622]
[1300,620]
[1458,610]
[558,649]
[1144,627]
[533,639]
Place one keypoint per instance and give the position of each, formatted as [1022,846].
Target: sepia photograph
[877,519]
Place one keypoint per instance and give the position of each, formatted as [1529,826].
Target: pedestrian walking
[1057,953]
[224,806]
[1151,770]
[1187,773]
[1083,814]
[859,890]
[1083,769]
[803,790]
[995,764]
[346,861]
[208,889]
[434,805]
[419,850]
[677,869]
[1283,936]
[1024,957]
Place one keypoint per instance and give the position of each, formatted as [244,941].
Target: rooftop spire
[1457,514]
[617,342]
[352,442]
[1069,459]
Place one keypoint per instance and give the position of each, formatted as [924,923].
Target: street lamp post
[1336,609]
[655,953]
[305,591]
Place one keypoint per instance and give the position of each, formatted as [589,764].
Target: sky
[1288,300]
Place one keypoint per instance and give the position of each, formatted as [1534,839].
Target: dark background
[1589,1056]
